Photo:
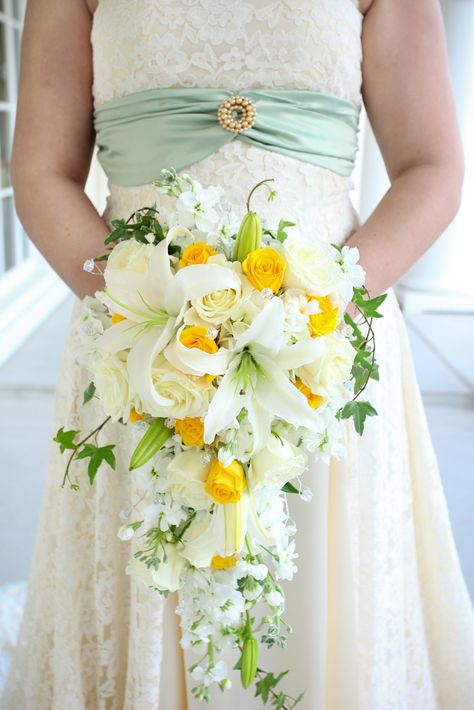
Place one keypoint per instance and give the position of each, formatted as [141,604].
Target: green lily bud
[150,443]
[249,236]
[248,669]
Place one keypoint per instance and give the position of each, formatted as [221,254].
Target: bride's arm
[408,97]
[54,139]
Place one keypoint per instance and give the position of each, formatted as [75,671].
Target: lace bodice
[312,44]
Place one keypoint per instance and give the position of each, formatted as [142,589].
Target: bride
[379,607]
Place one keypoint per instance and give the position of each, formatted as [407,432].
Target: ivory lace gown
[381,615]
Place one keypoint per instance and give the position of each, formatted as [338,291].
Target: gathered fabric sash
[142,132]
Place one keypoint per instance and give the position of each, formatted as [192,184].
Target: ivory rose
[111,382]
[310,265]
[327,374]
[277,463]
[186,479]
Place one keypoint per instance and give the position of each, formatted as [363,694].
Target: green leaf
[357,335]
[359,410]
[89,392]
[281,234]
[65,439]
[289,488]
[298,699]
[97,455]
[359,375]
[367,305]
[266,684]
[279,701]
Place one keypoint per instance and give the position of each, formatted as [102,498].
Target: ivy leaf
[368,306]
[359,410]
[359,374]
[97,455]
[266,684]
[289,488]
[65,439]
[89,392]
[279,701]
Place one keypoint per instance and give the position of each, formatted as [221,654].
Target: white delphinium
[196,207]
[285,567]
[93,321]
[214,674]
[297,309]
[169,511]
[353,273]
[238,440]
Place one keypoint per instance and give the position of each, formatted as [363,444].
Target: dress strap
[142,132]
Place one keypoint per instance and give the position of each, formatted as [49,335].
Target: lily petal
[266,330]
[260,419]
[226,404]
[275,392]
[301,353]
[119,336]
[140,361]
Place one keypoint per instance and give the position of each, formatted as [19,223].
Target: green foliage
[368,306]
[89,392]
[289,488]
[280,232]
[65,439]
[359,410]
[97,455]
[144,228]
[364,367]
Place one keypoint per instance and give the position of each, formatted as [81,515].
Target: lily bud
[248,669]
[249,236]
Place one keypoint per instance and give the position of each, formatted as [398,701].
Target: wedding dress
[379,607]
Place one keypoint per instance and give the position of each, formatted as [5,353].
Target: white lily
[154,302]
[257,379]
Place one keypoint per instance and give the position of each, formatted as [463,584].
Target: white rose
[188,396]
[277,463]
[326,375]
[111,382]
[310,265]
[200,541]
[130,255]
[169,576]
[187,476]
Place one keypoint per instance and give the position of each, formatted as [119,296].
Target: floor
[442,347]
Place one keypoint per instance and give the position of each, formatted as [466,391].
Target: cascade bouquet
[227,346]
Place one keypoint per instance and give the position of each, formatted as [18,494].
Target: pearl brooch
[244,108]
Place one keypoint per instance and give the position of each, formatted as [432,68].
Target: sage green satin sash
[142,132]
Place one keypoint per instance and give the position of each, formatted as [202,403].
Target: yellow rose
[225,483]
[314,400]
[197,253]
[326,320]
[191,431]
[196,337]
[219,562]
[265,268]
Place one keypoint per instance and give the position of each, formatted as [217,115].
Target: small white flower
[275,599]
[306,495]
[125,532]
